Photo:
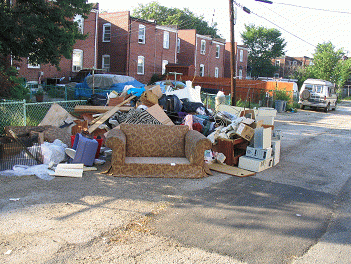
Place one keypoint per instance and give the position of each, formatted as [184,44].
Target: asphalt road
[296,212]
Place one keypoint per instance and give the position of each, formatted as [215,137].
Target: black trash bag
[97,99]
[170,103]
[190,107]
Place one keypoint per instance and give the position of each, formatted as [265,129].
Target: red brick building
[204,53]
[241,56]
[135,47]
[84,55]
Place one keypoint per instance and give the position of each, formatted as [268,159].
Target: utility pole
[232,55]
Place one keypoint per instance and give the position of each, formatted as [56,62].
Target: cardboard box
[256,165]
[275,151]
[157,112]
[245,131]
[258,153]
[263,138]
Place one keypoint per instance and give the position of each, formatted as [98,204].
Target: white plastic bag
[53,152]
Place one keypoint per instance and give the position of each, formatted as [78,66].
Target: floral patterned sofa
[145,150]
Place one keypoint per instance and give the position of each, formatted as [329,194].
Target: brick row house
[288,65]
[84,54]
[204,53]
[135,47]
[241,70]
[121,44]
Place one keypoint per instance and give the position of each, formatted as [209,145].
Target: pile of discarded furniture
[156,131]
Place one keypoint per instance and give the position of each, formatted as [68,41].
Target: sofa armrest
[195,146]
[116,140]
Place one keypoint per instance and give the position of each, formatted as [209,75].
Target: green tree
[329,64]
[40,30]
[183,18]
[263,45]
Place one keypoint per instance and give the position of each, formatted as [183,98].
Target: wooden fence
[246,90]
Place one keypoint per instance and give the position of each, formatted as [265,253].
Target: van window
[309,87]
[318,89]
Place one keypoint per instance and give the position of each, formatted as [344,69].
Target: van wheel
[327,108]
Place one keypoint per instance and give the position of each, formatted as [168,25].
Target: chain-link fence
[20,113]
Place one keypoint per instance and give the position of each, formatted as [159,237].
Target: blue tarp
[83,90]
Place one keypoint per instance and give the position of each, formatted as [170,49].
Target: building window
[203,46]
[33,65]
[77,60]
[178,45]
[241,58]
[294,63]
[141,65]
[166,40]
[240,74]
[80,21]
[202,70]
[216,72]
[218,49]
[141,37]
[164,63]
[106,32]
[106,62]
[277,63]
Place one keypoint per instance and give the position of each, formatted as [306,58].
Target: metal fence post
[24,113]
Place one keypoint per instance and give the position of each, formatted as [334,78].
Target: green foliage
[11,86]
[43,31]
[264,45]
[328,64]
[183,18]
[282,94]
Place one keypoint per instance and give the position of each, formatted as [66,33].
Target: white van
[316,93]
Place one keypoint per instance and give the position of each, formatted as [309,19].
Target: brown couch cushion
[154,140]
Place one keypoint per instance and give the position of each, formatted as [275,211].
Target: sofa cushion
[154,140]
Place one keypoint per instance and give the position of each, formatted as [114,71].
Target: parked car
[317,93]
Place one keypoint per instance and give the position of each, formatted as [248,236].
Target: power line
[319,9]
[239,5]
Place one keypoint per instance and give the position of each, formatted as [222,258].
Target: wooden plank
[98,109]
[234,171]
[97,122]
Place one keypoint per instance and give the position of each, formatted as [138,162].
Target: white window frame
[141,34]
[77,62]
[32,66]
[104,65]
[218,50]
[277,63]
[240,74]
[80,21]
[216,72]
[141,65]
[241,55]
[165,39]
[164,64]
[202,70]
[203,47]
[106,34]
[178,45]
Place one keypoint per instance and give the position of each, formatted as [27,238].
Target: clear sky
[303,24]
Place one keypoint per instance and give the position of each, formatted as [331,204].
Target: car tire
[302,106]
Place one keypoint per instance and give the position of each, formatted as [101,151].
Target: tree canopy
[263,45]
[183,18]
[41,30]
[328,64]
